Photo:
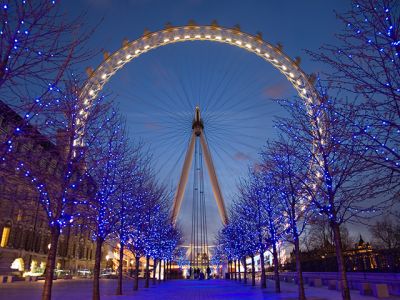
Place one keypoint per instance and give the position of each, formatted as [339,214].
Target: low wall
[354,279]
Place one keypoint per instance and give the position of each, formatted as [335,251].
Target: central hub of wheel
[197,124]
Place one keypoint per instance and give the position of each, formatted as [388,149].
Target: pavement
[169,290]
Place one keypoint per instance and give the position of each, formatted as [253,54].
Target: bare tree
[386,234]
[38,47]
[319,236]
[366,65]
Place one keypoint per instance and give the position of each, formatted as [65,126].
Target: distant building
[361,258]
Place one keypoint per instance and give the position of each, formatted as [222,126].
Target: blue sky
[158,91]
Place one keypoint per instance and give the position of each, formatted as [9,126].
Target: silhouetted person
[208,272]
[201,277]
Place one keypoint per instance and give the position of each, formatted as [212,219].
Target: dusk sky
[235,89]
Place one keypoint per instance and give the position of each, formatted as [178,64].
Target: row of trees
[335,159]
[129,206]
[102,182]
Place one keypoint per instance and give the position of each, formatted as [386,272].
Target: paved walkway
[170,290]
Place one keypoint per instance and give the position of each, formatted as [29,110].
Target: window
[38,239]
[28,239]
[5,236]
[81,251]
[17,237]
[19,215]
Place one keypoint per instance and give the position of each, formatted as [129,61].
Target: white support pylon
[214,179]
[198,127]
[180,191]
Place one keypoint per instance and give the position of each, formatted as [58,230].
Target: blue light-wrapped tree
[285,160]
[365,63]
[339,185]
[38,47]
[63,193]
[105,159]
[253,213]
[264,185]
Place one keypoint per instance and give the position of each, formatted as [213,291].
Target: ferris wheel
[199,101]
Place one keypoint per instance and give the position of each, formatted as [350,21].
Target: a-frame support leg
[214,180]
[183,179]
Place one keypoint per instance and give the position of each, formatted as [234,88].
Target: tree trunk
[165,272]
[263,279]
[146,283]
[137,264]
[235,271]
[276,268]
[154,270]
[51,263]
[300,282]
[159,271]
[121,261]
[340,261]
[245,270]
[240,276]
[253,271]
[96,269]
[229,269]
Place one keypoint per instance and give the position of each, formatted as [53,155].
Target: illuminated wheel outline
[214,33]
[301,82]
